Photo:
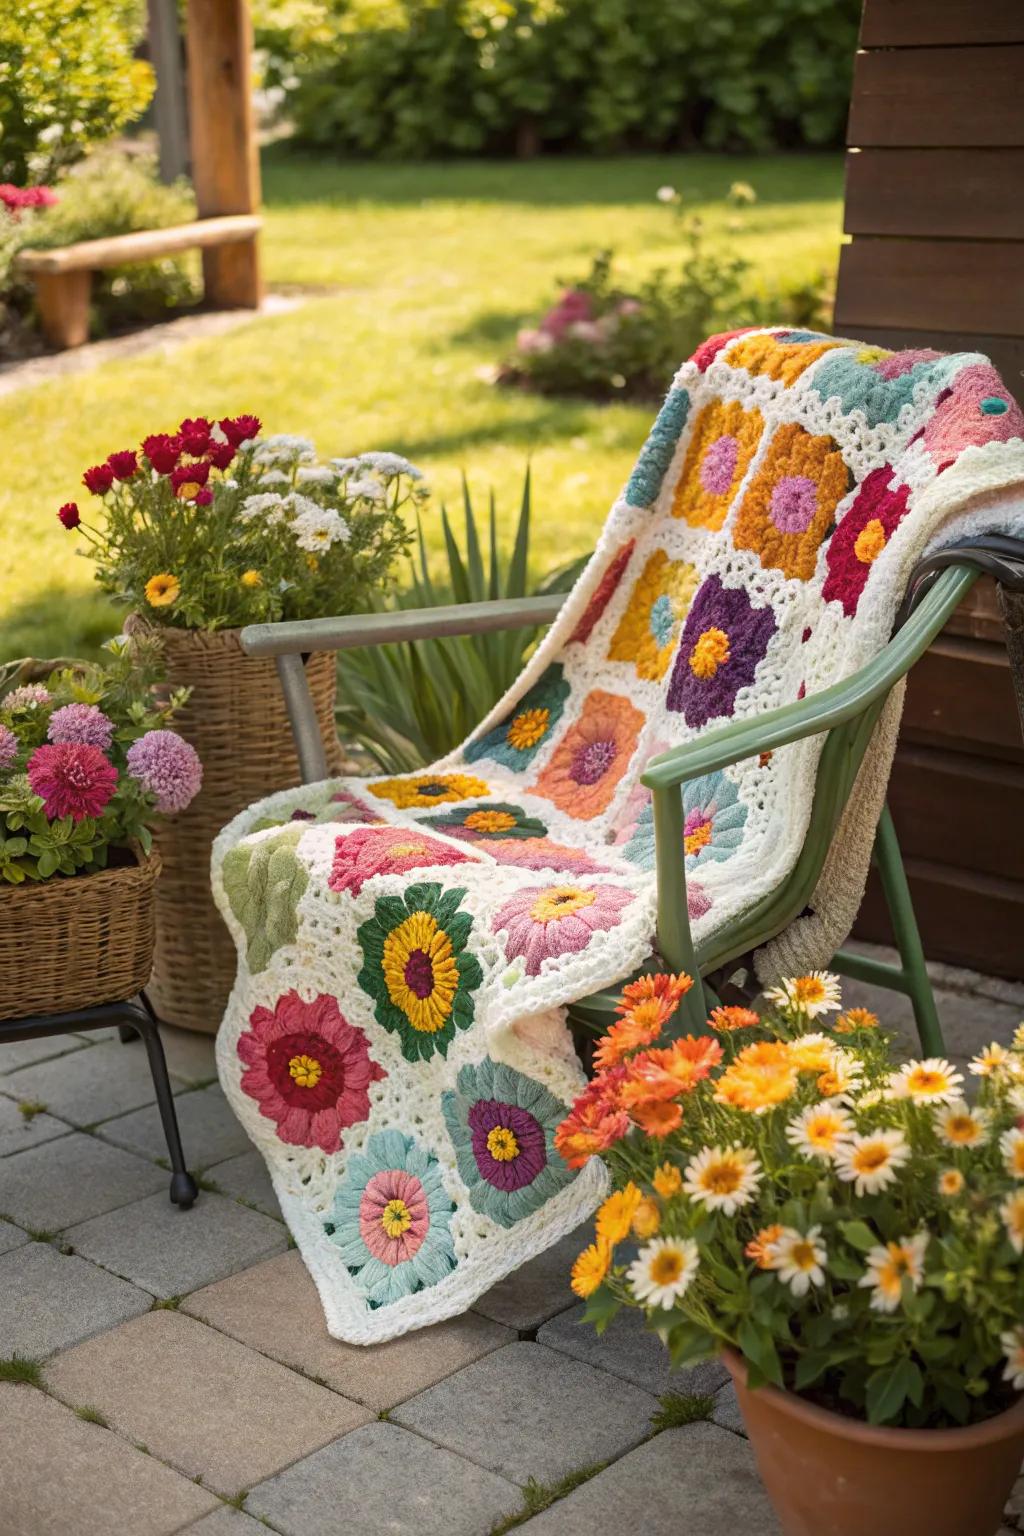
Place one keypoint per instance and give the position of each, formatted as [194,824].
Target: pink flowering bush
[87,764]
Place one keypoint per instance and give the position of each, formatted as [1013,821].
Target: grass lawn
[433,268]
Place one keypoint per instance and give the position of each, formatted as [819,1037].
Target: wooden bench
[63,276]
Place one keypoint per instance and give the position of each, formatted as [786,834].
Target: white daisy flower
[390,465]
[932,1081]
[870,1162]
[274,477]
[812,995]
[365,488]
[1012,1213]
[820,1129]
[958,1125]
[1013,1348]
[264,505]
[722,1178]
[315,474]
[317,528]
[888,1265]
[1015,1098]
[800,1259]
[284,448]
[992,1060]
[662,1270]
[842,1077]
[1011,1145]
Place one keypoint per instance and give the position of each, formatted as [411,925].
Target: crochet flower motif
[709,350]
[722,444]
[488,820]
[369,851]
[308,1069]
[647,630]
[861,536]
[782,355]
[502,1125]
[723,642]
[519,737]
[417,968]
[592,756]
[791,501]
[873,380]
[427,789]
[542,853]
[714,818]
[977,410]
[390,1219]
[656,455]
[545,921]
[602,593]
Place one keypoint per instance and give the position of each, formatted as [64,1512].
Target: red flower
[162,451]
[98,479]
[16,198]
[190,474]
[221,454]
[72,779]
[203,496]
[239,429]
[69,515]
[124,464]
[195,434]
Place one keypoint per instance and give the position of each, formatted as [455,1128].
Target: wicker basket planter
[73,942]
[237,722]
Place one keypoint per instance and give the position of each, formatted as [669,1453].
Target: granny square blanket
[395,1043]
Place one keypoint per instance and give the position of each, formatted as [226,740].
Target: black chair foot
[184,1190]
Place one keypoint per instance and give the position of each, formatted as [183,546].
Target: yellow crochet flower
[428,789]
[649,626]
[162,590]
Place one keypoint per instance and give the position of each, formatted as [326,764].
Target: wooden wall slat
[1006,352]
[909,23]
[972,193]
[974,286]
[960,698]
[975,921]
[915,97]
[973,805]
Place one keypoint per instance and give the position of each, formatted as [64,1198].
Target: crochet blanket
[395,1044]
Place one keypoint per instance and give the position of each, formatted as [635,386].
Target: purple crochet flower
[168,767]
[724,640]
[8,746]
[25,697]
[83,723]
[508,1144]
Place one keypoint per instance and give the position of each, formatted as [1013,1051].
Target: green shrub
[68,80]
[113,193]
[410,78]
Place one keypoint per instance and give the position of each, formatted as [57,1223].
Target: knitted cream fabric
[395,1042]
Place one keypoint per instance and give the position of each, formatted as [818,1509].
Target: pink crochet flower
[543,921]
[309,1070]
[370,851]
[72,779]
[389,1240]
[81,722]
[542,853]
[168,766]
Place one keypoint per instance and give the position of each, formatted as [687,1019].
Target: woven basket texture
[71,942]
[237,722]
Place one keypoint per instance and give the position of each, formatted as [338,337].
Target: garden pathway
[181,1377]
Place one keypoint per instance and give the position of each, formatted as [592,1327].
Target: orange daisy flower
[760,1247]
[726,1019]
[664,986]
[659,1119]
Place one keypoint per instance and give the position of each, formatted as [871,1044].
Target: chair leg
[908,937]
[183,1186]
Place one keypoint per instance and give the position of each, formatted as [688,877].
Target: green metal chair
[846,713]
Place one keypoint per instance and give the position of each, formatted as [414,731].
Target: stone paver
[169,1251]
[209,1131]
[11,1236]
[72,1179]
[198,1400]
[227,1521]
[628,1349]
[23,1053]
[18,1132]
[63,1477]
[700,1481]
[88,1085]
[49,1300]
[539,1290]
[968,1022]
[275,1308]
[246,1178]
[727,1410]
[190,1056]
[526,1411]
[383,1481]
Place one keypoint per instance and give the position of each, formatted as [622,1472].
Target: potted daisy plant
[846,1229]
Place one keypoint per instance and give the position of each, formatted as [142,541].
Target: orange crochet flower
[722,444]
[791,501]
[647,631]
[726,1019]
[594,753]
[773,358]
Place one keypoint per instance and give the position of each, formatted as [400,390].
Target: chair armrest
[298,637]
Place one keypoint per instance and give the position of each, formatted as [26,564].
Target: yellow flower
[950,1182]
[590,1269]
[162,590]
[668,1181]
[615,1217]
[251,579]
[762,1076]
[812,1053]
[647,631]
[646,1219]
[709,653]
[428,789]
[420,934]
[527,728]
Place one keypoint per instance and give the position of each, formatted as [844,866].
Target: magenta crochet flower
[168,767]
[8,746]
[81,722]
[369,851]
[543,921]
[25,697]
[72,779]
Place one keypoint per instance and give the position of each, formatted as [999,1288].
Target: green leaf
[758,1348]
[859,1235]
[888,1389]
[601,1308]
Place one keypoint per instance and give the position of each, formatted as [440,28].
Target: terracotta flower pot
[828,1475]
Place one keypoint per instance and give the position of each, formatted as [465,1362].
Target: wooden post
[225,161]
[169,105]
[62,299]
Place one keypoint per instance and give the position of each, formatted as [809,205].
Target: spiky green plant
[410,703]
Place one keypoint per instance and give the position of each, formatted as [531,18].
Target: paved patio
[186,1380]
